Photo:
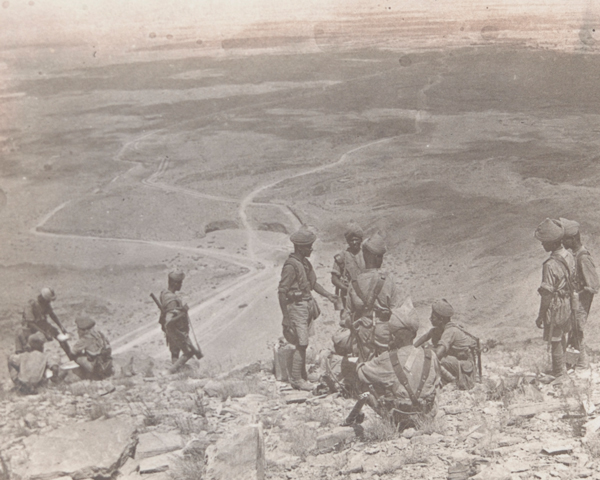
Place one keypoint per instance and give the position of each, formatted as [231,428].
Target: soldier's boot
[298,359]
[179,363]
[583,361]
[559,367]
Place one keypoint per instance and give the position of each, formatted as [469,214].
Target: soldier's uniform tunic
[176,324]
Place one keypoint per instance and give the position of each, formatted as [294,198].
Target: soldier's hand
[185,307]
[539,322]
[286,321]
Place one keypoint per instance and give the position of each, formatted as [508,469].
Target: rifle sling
[370,301]
[399,371]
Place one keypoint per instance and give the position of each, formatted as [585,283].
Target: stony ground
[515,424]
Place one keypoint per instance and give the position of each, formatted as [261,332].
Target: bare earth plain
[114,175]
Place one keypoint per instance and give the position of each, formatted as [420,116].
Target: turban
[443,308]
[48,294]
[354,230]
[400,321]
[303,237]
[571,227]
[177,276]
[84,323]
[37,338]
[375,244]
[549,231]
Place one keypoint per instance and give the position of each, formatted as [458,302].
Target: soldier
[176,323]
[372,298]
[299,308]
[35,319]
[555,305]
[92,351]
[403,380]
[348,263]
[585,284]
[29,370]
[454,347]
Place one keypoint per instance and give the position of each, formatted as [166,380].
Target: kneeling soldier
[402,381]
[92,351]
[454,347]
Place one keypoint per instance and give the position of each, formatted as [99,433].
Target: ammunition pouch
[294,296]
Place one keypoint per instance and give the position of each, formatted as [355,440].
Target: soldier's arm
[423,339]
[338,282]
[55,319]
[321,291]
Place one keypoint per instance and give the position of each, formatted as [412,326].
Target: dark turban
[443,308]
[303,237]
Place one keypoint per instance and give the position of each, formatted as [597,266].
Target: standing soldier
[348,263]
[175,322]
[585,284]
[372,298]
[299,308]
[555,305]
[35,319]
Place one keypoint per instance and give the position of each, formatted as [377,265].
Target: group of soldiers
[30,366]
[379,362]
[569,283]
[91,355]
[378,359]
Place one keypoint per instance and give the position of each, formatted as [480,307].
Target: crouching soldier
[402,381]
[31,369]
[92,351]
[454,347]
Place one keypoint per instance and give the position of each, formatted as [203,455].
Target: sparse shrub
[321,415]
[190,467]
[187,424]
[429,424]
[379,429]
[302,440]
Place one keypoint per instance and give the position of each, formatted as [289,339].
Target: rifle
[197,352]
[354,415]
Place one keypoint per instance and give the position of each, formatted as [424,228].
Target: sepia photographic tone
[299,240]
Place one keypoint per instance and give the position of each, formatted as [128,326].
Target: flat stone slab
[80,450]
[160,463]
[241,456]
[151,444]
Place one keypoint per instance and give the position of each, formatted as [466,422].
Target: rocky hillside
[145,424]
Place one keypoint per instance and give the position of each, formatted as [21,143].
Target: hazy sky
[27,21]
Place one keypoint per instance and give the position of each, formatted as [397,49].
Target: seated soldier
[31,369]
[92,351]
[454,347]
[403,380]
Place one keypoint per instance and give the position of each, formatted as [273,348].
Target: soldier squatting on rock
[32,368]
[456,349]
[92,351]
[298,307]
